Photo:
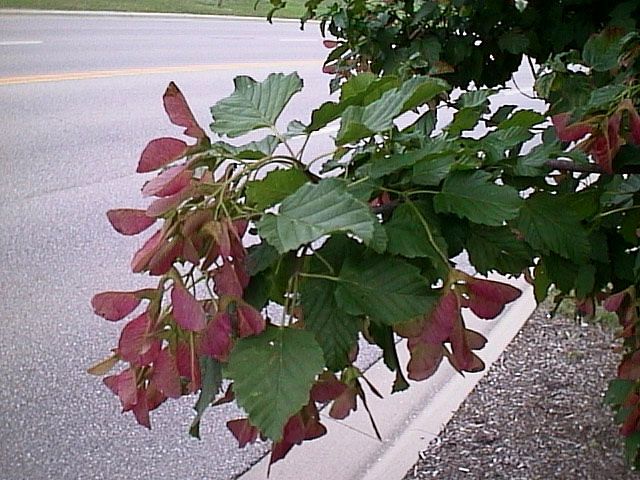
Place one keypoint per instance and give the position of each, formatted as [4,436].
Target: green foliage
[358,242]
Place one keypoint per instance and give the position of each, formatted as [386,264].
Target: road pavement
[68,154]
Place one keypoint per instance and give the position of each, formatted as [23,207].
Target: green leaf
[433,169]
[522,118]
[254,105]
[260,257]
[603,97]
[335,330]
[384,288]
[618,391]
[534,163]
[252,150]
[497,249]
[547,226]
[363,121]
[631,447]
[513,42]
[211,373]
[316,210]
[273,374]
[501,114]
[409,238]
[602,50]
[464,119]
[475,98]
[386,165]
[275,187]
[359,90]
[473,195]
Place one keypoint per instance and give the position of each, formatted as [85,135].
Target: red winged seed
[441,320]
[115,306]
[179,112]
[226,280]
[488,298]
[124,386]
[165,257]
[425,359]
[344,404]
[327,388]
[188,366]
[162,205]
[569,133]
[216,340]
[165,374]
[168,183]
[464,357]
[129,221]
[330,43]
[141,409]
[143,256]
[187,311]
[614,301]
[250,321]
[634,126]
[601,151]
[243,431]
[629,369]
[160,152]
[136,345]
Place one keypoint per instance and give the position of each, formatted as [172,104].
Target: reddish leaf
[411,328]
[216,340]
[244,432]
[187,311]
[228,396]
[143,256]
[137,345]
[129,221]
[425,359]
[169,182]
[586,306]
[155,397]
[330,43]
[161,152]
[179,112]
[630,423]
[615,301]
[569,133]
[330,69]
[190,252]
[488,298]
[124,386]
[115,305]
[165,374]
[601,151]
[165,257]
[250,321]
[475,340]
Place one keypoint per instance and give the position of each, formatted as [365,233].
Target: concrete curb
[408,422]
[99,13]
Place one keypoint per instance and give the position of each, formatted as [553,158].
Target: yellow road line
[128,72]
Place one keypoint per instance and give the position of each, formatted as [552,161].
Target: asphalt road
[68,153]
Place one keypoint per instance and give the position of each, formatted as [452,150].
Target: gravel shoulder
[538,413]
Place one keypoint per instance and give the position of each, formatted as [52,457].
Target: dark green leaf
[316,210]
[273,374]
[335,330]
[433,169]
[602,50]
[464,119]
[474,196]
[513,42]
[631,447]
[497,248]
[475,98]
[618,391]
[523,118]
[384,288]
[254,105]
[435,148]
[409,238]
[252,150]
[211,374]
[547,226]
[275,187]
[501,114]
